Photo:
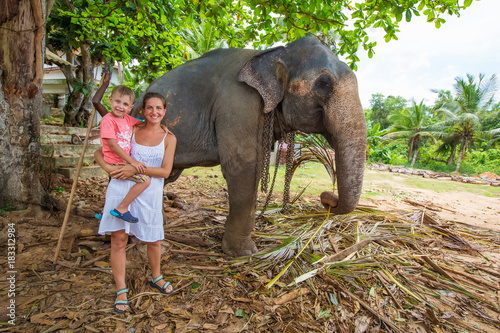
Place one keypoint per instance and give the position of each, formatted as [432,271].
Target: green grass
[312,175]
[386,180]
[315,177]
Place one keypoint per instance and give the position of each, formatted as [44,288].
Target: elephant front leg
[242,190]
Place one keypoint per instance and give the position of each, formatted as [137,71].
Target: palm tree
[200,39]
[411,124]
[492,136]
[462,114]
[444,96]
[448,146]
[374,135]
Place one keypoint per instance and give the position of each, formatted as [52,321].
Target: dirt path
[452,201]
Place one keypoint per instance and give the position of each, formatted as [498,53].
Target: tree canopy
[147,30]
[462,114]
[382,107]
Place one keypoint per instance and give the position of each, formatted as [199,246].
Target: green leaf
[333,299]
[240,313]
[399,15]
[431,16]
[408,15]
[324,314]
[195,285]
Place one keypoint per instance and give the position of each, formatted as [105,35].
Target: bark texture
[21,74]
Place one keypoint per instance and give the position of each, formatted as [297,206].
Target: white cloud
[425,58]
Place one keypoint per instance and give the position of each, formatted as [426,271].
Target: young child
[116,133]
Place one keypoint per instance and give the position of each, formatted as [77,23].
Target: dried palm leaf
[276,278]
[315,148]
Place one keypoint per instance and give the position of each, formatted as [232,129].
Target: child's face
[120,105]
[154,110]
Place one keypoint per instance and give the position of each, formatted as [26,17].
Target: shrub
[476,162]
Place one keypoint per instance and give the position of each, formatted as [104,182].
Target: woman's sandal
[127,217]
[121,302]
[162,289]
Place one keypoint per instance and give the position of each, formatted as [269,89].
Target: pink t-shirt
[119,129]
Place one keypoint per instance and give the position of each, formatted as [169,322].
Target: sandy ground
[456,206]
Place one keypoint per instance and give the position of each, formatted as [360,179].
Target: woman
[154,146]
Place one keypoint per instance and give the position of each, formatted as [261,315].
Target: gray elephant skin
[216,106]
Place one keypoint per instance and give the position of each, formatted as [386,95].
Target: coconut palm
[492,137]
[462,114]
[448,146]
[200,39]
[444,96]
[411,124]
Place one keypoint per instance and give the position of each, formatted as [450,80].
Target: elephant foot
[328,199]
[238,248]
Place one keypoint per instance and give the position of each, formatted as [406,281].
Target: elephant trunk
[346,126]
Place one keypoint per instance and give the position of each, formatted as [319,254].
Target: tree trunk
[451,158]
[88,79]
[79,106]
[461,155]
[410,149]
[21,75]
[416,144]
[415,153]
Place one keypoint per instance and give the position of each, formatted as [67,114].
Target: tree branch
[37,12]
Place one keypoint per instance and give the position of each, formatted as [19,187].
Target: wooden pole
[73,187]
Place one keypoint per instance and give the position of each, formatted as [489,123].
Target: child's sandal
[127,217]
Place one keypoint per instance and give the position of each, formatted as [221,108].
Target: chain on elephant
[268,142]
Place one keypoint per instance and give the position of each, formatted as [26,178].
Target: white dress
[147,207]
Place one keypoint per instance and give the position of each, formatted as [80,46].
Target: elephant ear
[268,73]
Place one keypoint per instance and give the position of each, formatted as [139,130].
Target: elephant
[216,106]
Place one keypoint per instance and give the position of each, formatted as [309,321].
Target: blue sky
[425,58]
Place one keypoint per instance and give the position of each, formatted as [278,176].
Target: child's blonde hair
[122,90]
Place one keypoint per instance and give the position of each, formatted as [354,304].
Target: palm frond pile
[379,271]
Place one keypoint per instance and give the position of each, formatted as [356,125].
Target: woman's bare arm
[168,159]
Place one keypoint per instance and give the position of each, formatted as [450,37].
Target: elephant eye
[323,85]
